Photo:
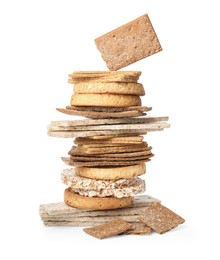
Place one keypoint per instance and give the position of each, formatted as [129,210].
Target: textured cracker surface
[129,43]
[108,229]
[109,109]
[104,76]
[160,218]
[95,203]
[105,100]
[109,88]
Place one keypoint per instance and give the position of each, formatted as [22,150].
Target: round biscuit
[105,100]
[109,88]
[82,202]
[111,173]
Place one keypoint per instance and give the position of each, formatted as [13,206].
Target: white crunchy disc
[102,188]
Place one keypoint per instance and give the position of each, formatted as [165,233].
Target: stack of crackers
[109,153]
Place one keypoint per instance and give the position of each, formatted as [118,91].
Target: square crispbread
[104,76]
[97,115]
[129,43]
[109,109]
[160,218]
[89,122]
[76,152]
[108,229]
[70,162]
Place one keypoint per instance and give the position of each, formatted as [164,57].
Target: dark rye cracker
[160,218]
[97,115]
[70,162]
[108,229]
[129,43]
[109,109]
[97,159]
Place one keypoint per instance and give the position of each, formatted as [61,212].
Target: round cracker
[111,173]
[82,202]
[109,88]
[105,100]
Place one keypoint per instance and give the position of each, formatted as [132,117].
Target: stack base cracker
[60,214]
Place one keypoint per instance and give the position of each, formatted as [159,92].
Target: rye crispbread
[160,218]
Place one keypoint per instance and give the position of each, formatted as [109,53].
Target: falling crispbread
[129,43]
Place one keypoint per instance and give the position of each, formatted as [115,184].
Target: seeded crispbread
[129,43]
[82,202]
[108,229]
[160,218]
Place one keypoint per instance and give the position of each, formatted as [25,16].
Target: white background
[40,43]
